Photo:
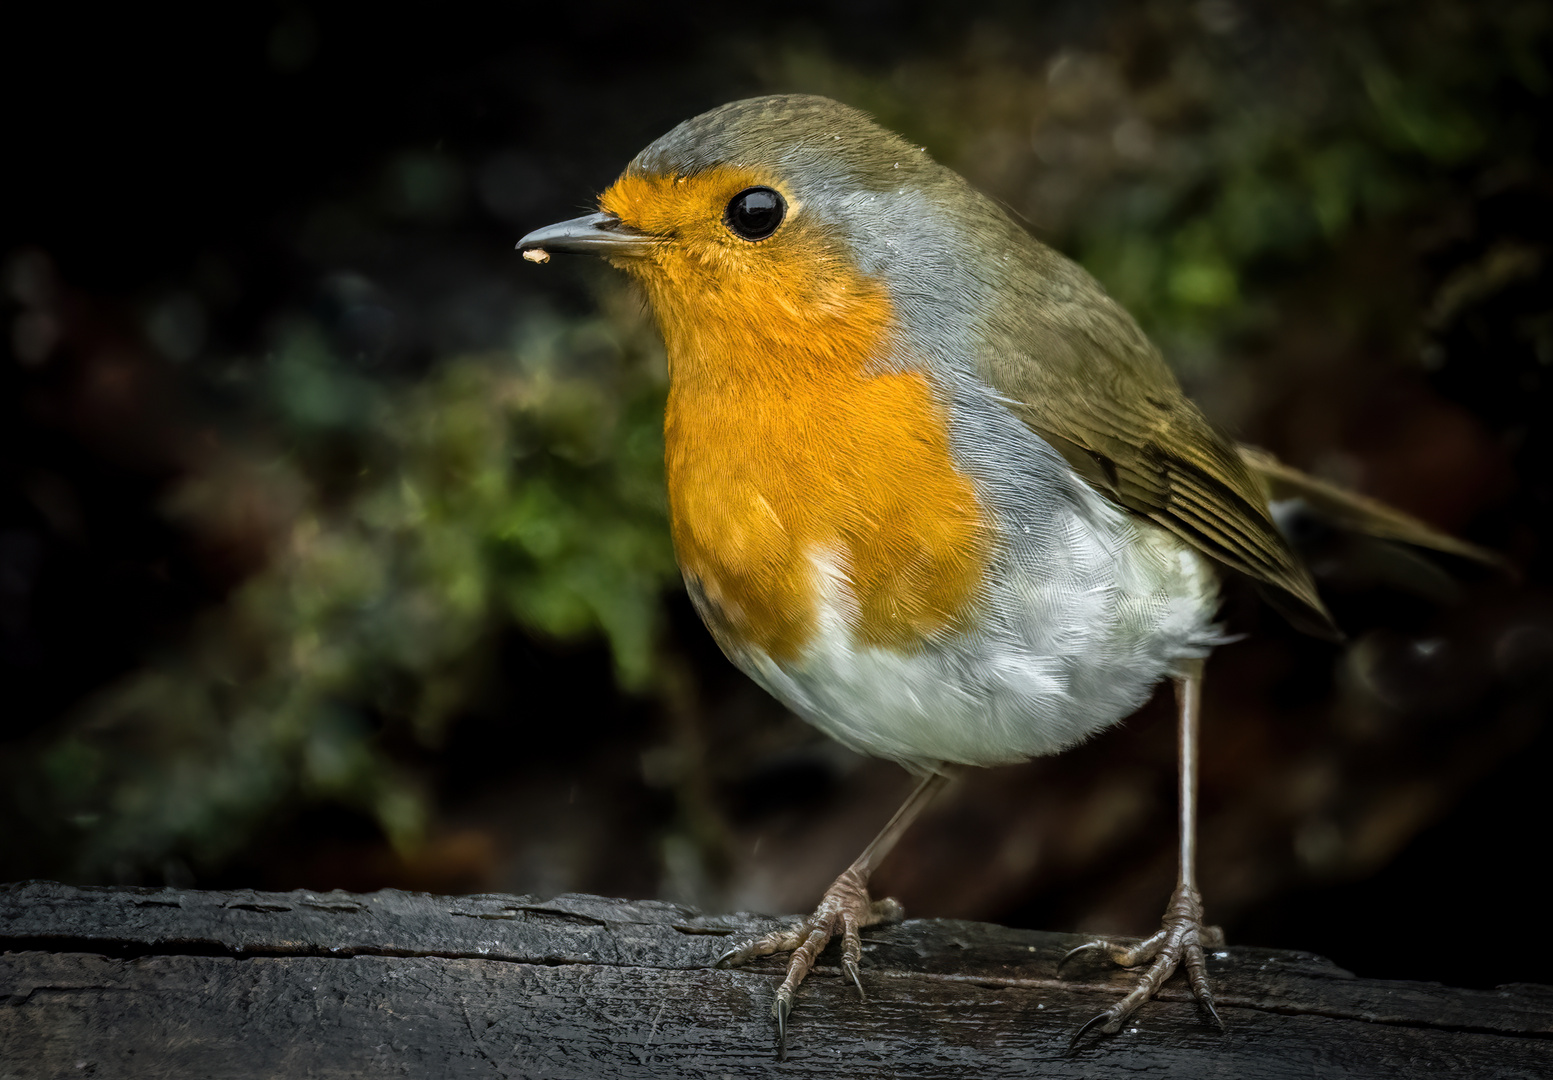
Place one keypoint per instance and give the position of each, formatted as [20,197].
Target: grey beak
[595,234]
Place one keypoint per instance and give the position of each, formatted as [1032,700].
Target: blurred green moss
[519,487]
[1190,166]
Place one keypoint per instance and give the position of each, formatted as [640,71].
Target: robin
[930,485]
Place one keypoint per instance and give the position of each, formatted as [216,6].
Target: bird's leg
[845,909]
[1183,935]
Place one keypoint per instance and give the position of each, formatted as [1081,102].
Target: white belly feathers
[1079,618]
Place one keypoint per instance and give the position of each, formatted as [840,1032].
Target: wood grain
[129,982]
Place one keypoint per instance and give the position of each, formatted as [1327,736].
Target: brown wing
[1075,367]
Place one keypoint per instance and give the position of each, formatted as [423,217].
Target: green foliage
[517,488]
[1189,167]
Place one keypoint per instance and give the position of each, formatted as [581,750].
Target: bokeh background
[332,539]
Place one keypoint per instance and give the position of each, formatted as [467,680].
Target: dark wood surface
[151,983]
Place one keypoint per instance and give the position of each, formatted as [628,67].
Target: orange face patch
[785,449]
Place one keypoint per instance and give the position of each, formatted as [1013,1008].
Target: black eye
[754,213]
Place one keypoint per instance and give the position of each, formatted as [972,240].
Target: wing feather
[1078,370]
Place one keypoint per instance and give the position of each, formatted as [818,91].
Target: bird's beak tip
[593,234]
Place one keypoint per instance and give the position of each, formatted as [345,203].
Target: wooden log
[143,982]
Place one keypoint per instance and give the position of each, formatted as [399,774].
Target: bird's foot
[1182,938]
[845,909]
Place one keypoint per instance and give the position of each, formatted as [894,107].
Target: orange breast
[783,448]
[853,472]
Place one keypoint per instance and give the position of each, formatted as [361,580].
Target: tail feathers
[1357,513]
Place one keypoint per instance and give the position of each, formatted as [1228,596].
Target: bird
[931,486]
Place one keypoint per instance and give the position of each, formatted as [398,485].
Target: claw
[1081,1032]
[780,1009]
[856,976]
[1071,953]
[723,960]
[1197,976]
[1207,1003]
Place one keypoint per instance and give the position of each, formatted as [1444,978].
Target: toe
[774,942]
[1202,989]
[1120,953]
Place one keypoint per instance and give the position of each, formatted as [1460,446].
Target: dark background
[332,552]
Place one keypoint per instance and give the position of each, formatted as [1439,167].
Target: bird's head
[786,225]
